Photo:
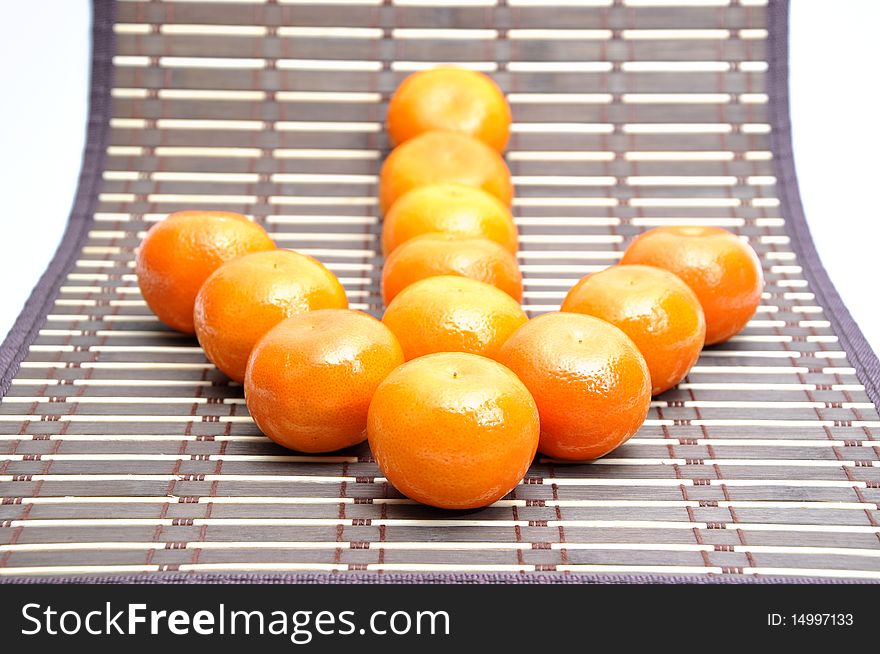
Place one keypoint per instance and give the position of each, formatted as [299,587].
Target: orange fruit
[588,378]
[452,314]
[657,310]
[310,378]
[452,99]
[451,208]
[246,297]
[453,430]
[437,253]
[438,156]
[721,269]
[177,255]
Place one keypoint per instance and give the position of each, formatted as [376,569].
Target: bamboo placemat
[124,452]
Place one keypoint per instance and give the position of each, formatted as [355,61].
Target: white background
[44,47]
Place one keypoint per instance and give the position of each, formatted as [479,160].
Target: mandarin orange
[437,253]
[438,156]
[450,208]
[657,310]
[452,314]
[588,378]
[723,271]
[453,430]
[311,378]
[452,99]
[179,253]
[246,297]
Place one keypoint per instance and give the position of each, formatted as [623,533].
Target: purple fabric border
[393,578]
[25,329]
[27,325]
[857,348]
